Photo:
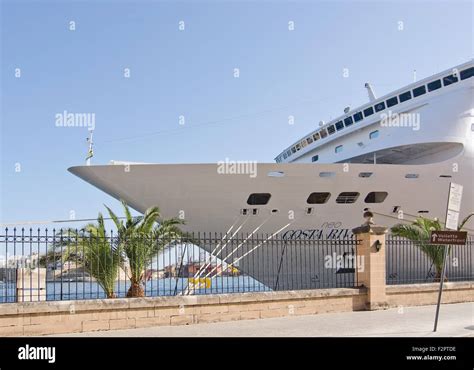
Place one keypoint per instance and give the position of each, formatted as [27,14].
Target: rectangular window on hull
[467,73]
[314,158]
[347,197]
[293,150]
[376,197]
[258,199]
[323,133]
[288,153]
[419,91]
[309,140]
[368,111]
[392,101]
[339,125]
[338,149]
[357,117]
[405,96]
[448,80]
[331,130]
[348,121]
[435,85]
[284,155]
[318,198]
[316,136]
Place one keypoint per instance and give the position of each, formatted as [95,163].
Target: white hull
[211,202]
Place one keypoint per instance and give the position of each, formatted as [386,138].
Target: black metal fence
[51,265]
[407,263]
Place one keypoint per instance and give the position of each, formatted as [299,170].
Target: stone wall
[40,318]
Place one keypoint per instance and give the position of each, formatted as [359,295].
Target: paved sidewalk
[455,320]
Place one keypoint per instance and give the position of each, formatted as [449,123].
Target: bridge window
[309,140]
[357,117]
[284,155]
[288,152]
[303,143]
[331,130]
[448,80]
[374,134]
[293,150]
[316,136]
[298,146]
[314,158]
[435,85]
[339,125]
[338,149]
[467,73]
[368,111]
[348,121]
[347,197]
[419,91]
[405,96]
[376,197]
[392,101]
[323,133]
[318,198]
[380,106]
[258,199]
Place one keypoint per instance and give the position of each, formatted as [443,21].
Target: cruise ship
[395,155]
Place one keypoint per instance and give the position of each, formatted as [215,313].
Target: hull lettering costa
[316,234]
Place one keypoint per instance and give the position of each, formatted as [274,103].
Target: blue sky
[190,73]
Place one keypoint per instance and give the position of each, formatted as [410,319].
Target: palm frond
[464,221]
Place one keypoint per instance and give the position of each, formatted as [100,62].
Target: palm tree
[99,256]
[419,233]
[141,238]
[463,222]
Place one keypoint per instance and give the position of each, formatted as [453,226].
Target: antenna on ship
[370,91]
[90,152]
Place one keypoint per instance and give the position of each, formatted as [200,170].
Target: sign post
[448,238]
[443,272]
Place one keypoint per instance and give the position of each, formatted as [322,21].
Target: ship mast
[90,152]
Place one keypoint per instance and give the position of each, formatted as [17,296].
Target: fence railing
[51,265]
[407,263]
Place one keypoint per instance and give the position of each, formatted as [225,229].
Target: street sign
[448,237]
[454,206]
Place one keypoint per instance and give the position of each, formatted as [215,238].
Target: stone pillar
[30,284]
[370,261]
